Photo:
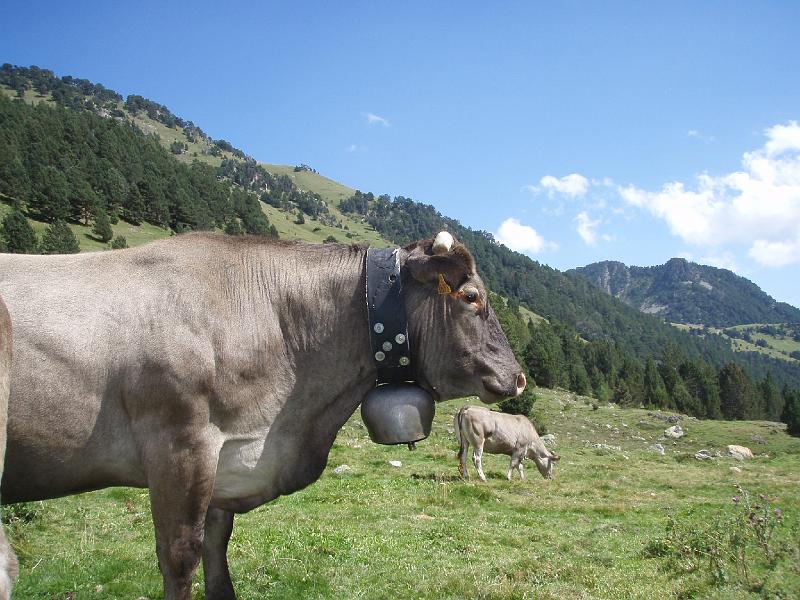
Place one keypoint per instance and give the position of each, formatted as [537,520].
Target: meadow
[619,520]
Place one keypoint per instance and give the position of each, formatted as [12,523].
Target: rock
[606,447]
[657,448]
[395,463]
[549,440]
[672,419]
[739,452]
[758,439]
[674,432]
[736,470]
[341,469]
[703,455]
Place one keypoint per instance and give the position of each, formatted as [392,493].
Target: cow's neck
[316,314]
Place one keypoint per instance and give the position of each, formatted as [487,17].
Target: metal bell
[398,413]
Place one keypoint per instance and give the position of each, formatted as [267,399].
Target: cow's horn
[443,243]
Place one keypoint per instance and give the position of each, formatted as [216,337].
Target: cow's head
[545,462]
[458,346]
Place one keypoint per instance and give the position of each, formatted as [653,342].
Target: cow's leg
[462,459]
[180,465]
[477,458]
[219,525]
[521,470]
[516,462]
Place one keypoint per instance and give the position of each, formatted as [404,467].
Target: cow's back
[8,561]
[89,327]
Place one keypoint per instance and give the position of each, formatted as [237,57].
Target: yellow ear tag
[443,287]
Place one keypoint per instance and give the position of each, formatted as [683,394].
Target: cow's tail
[457,427]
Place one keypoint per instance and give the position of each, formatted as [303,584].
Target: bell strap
[388,326]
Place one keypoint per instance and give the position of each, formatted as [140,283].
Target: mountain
[154,174]
[685,292]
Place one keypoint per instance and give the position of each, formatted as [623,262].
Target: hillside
[685,292]
[143,167]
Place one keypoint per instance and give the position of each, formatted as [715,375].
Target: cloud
[522,238]
[572,185]
[374,119]
[693,133]
[723,261]
[758,206]
[587,228]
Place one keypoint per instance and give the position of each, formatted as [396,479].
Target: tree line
[554,355]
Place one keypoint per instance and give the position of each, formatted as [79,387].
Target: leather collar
[388,325]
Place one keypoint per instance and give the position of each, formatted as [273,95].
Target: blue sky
[574,131]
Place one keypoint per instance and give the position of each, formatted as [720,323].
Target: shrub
[521,405]
[744,543]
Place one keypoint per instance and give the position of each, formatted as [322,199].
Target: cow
[8,560]
[217,370]
[500,433]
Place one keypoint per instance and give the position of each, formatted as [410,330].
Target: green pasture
[420,531]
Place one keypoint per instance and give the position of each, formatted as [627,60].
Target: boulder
[674,432]
[657,448]
[739,452]
[703,455]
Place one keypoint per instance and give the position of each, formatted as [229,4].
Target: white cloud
[725,260]
[758,206]
[572,185]
[374,119]
[693,133]
[522,238]
[776,254]
[587,228]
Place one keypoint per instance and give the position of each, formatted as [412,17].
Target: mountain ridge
[681,291]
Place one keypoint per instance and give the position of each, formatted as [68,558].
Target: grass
[419,531]
[135,235]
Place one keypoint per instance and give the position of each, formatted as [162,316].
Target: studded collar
[388,325]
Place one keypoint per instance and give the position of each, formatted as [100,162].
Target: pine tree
[739,397]
[772,398]
[791,410]
[119,242]
[102,226]
[59,239]
[655,392]
[18,234]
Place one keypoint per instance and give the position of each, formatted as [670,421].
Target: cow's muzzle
[497,390]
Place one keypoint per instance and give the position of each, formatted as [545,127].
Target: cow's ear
[441,261]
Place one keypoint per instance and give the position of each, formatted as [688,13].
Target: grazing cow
[8,560]
[217,370]
[500,433]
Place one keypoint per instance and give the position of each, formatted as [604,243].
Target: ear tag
[443,287]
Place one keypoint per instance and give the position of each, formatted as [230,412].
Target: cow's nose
[521,383]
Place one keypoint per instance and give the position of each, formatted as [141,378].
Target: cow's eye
[471,297]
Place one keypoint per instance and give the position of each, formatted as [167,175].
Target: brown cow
[500,433]
[8,560]
[216,371]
